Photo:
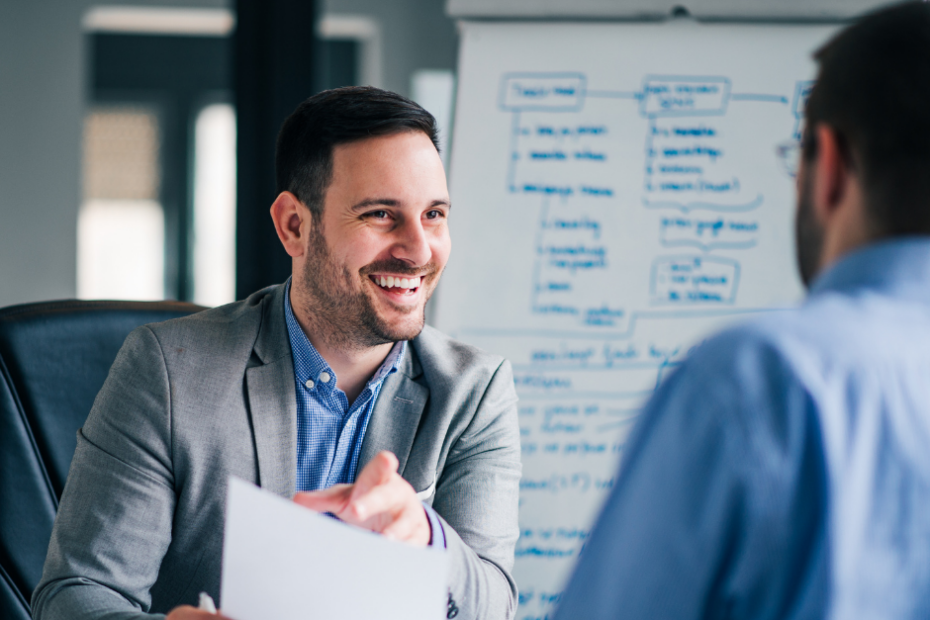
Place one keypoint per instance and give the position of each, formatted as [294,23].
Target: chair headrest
[58,355]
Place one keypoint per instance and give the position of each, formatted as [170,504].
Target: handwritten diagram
[687,174]
[622,212]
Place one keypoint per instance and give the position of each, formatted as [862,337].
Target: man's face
[808,233]
[375,256]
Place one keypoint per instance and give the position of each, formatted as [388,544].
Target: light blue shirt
[330,431]
[783,471]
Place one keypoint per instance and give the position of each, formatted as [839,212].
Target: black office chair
[54,358]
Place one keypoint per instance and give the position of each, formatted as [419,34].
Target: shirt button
[324,377]
[309,384]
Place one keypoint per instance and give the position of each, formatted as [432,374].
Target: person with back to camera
[328,387]
[783,471]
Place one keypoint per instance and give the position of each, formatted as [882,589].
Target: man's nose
[412,243]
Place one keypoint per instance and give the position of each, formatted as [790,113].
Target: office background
[51,84]
[49,91]
[118,165]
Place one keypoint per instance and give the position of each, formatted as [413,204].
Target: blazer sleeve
[114,521]
[477,497]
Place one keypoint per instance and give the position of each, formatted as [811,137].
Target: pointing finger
[334,499]
[385,500]
[376,473]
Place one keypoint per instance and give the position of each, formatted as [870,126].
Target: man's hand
[186,612]
[380,501]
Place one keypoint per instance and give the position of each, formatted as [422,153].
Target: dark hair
[873,89]
[304,153]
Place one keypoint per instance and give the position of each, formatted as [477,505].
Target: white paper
[286,562]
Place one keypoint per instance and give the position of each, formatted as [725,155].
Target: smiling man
[327,389]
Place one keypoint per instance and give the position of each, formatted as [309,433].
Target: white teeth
[392,282]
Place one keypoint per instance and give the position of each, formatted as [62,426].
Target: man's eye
[434,214]
[378,215]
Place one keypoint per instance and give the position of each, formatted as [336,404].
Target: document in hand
[283,561]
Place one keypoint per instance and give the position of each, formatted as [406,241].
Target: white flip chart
[617,197]
[286,562]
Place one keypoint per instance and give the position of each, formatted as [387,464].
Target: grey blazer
[192,401]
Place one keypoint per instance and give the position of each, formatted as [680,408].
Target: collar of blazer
[273,402]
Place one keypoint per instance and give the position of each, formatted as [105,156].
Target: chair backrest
[54,358]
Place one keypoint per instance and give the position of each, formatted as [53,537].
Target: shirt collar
[309,364]
[899,266]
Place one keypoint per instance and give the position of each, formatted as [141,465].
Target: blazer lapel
[396,416]
[273,401]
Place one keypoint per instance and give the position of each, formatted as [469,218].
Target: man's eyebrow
[370,202]
[390,202]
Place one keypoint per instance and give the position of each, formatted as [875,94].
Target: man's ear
[291,221]
[831,174]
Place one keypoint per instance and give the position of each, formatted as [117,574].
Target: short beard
[808,235]
[339,313]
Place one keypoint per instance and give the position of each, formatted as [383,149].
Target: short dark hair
[873,89]
[304,152]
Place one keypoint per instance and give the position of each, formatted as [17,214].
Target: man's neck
[353,368]
[353,365]
[849,227]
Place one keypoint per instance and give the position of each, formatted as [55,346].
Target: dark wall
[275,57]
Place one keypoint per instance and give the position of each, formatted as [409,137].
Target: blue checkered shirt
[330,432]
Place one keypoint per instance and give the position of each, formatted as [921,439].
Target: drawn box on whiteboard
[802,92]
[691,280]
[708,233]
[551,92]
[665,95]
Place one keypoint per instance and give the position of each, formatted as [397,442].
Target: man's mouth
[403,285]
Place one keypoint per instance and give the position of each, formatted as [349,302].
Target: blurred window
[174,64]
[215,205]
[121,224]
